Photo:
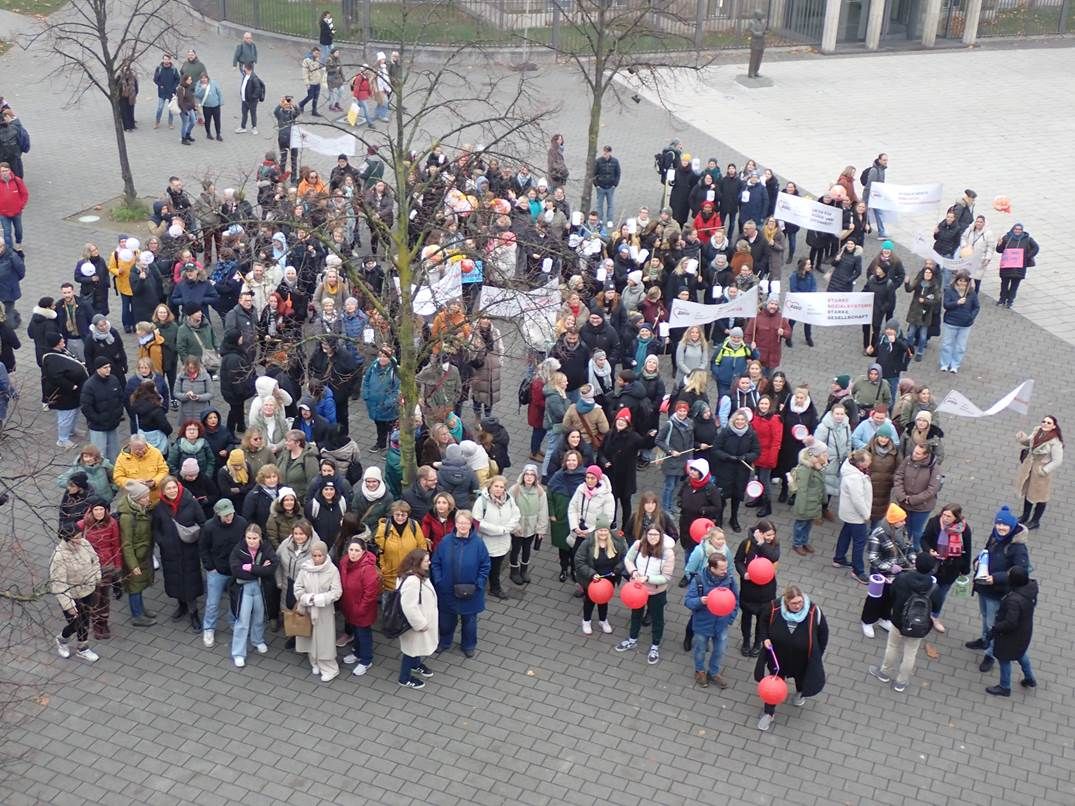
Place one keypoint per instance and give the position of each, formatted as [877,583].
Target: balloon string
[776,663]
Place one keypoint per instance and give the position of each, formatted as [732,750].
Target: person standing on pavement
[134,509]
[12,273]
[1005,550]
[128,94]
[888,551]
[794,635]
[947,539]
[1044,453]
[755,598]
[418,601]
[101,400]
[335,78]
[961,308]
[74,575]
[188,103]
[709,628]
[286,113]
[1012,631]
[876,173]
[167,78]
[252,564]
[210,96]
[606,178]
[651,561]
[251,93]
[1017,254]
[313,76]
[317,587]
[907,589]
[979,244]
[219,537]
[246,53]
[915,487]
[460,570]
[13,199]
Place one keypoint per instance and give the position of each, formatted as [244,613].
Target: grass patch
[4,47]
[1023,21]
[31,7]
[126,213]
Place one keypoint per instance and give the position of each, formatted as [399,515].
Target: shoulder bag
[210,357]
[460,590]
[187,534]
[393,620]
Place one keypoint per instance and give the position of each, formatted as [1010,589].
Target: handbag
[393,620]
[173,105]
[210,357]
[596,439]
[187,534]
[297,624]
[462,591]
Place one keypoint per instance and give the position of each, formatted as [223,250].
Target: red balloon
[634,595]
[761,571]
[467,265]
[720,601]
[772,689]
[600,591]
[699,528]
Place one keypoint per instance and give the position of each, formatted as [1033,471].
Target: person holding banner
[766,331]
[880,283]
[876,173]
[802,282]
[961,308]
[1017,253]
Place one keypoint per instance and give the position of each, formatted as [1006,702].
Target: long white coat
[421,639]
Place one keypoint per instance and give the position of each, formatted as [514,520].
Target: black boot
[1027,506]
[755,650]
[524,573]
[765,508]
[734,521]
[515,576]
[180,611]
[783,497]
[195,620]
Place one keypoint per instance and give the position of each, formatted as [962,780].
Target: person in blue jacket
[730,360]
[802,282]
[166,77]
[709,628]
[961,308]
[380,393]
[754,208]
[460,569]
[211,97]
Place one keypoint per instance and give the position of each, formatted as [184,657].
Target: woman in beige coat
[74,574]
[418,598]
[1043,455]
[317,587]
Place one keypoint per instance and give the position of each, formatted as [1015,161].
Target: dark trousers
[520,550]
[807,330]
[468,637]
[1039,510]
[755,61]
[342,412]
[384,429]
[655,608]
[751,616]
[126,114]
[285,150]
[313,92]
[1009,287]
[236,417]
[250,108]
[211,115]
[78,623]
[495,571]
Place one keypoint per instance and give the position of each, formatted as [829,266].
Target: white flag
[809,214]
[686,314]
[906,198]
[1018,400]
[829,309]
[302,137]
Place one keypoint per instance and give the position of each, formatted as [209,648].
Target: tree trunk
[130,195]
[408,359]
[592,134]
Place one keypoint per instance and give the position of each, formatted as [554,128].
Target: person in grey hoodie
[454,476]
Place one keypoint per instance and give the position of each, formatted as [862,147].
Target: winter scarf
[105,337]
[584,406]
[795,619]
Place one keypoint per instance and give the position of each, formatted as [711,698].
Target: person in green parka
[808,481]
[136,542]
[561,487]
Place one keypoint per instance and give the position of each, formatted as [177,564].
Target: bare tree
[96,40]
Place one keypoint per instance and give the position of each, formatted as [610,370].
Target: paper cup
[755,489]
[800,432]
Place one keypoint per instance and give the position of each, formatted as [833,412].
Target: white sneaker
[867,630]
[799,701]
[349,659]
[239,662]
[586,628]
[262,648]
[209,637]
[626,644]
[884,624]
[62,649]
[360,670]
[240,130]
[254,130]
[65,444]
[330,676]
[606,628]
[88,655]
[315,670]
[765,721]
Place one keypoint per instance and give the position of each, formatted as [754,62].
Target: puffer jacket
[361,583]
[837,438]
[74,572]
[703,621]
[656,572]
[916,484]
[455,477]
[497,521]
[591,509]
[856,494]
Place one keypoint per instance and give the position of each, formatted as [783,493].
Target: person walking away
[915,596]
[251,93]
[313,76]
[1012,631]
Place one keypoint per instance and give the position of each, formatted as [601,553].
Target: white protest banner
[1018,400]
[824,309]
[433,296]
[809,214]
[905,198]
[921,245]
[302,137]
[686,314]
[506,303]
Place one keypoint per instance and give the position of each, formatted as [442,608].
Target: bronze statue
[756,27]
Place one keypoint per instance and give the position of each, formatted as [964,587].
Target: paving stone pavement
[542,715]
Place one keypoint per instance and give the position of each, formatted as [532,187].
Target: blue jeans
[161,104]
[537,436]
[9,223]
[853,535]
[251,621]
[381,111]
[187,123]
[1006,670]
[893,387]
[880,219]
[917,336]
[605,203]
[988,607]
[107,442]
[65,424]
[363,644]
[136,604]
[791,246]
[668,494]
[551,440]
[916,524]
[407,664]
[699,645]
[364,108]
[126,311]
[468,638]
[953,345]
[801,532]
[216,584]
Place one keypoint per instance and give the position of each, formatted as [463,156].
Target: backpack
[917,612]
[393,621]
[864,177]
[523,395]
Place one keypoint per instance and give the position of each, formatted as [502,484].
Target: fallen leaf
[42,699]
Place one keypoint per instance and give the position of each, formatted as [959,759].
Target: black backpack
[864,177]
[393,621]
[917,615]
[523,394]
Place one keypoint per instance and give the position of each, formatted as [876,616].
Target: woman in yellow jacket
[150,345]
[396,537]
[120,263]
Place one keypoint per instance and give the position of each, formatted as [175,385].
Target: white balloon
[87,269]
[125,255]
[175,230]
[133,244]
[146,258]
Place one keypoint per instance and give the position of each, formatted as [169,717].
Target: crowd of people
[273,307]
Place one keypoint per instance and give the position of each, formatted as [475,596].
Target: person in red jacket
[101,531]
[707,221]
[362,92]
[535,409]
[770,430]
[13,198]
[765,333]
[361,582]
[440,519]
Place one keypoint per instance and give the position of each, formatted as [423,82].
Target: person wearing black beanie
[1012,631]
[914,597]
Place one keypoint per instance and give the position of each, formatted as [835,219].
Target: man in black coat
[104,342]
[730,189]
[598,334]
[220,534]
[73,319]
[337,370]
[574,358]
[102,406]
[62,379]
[251,93]
[1012,631]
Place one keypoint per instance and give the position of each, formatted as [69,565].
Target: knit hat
[80,480]
[135,489]
[1007,517]
[53,337]
[1018,577]
[189,466]
[284,492]
[886,245]
[843,381]
[599,352]
[699,466]
[602,523]
[530,467]
[892,324]
[872,367]
[736,332]
[624,414]
[926,415]
[895,514]
[372,472]
[818,449]
[236,457]
[587,395]
[773,297]
[886,430]
[595,471]
[101,361]
[224,507]
[98,317]
[924,564]
[634,277]
[468,448]
[453,453]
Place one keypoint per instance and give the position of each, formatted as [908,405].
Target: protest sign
[809,214]
[686,314]
[829,309]
[922,245]
[302,137]
[905,198]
